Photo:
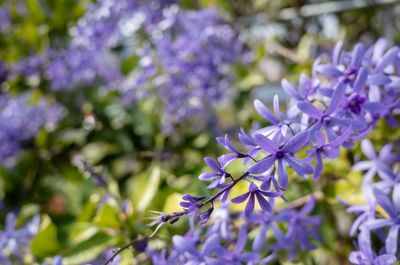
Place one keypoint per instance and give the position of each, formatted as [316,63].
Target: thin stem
[230,186]
[130,244]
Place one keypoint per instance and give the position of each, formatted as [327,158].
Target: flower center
[326,120]
[279,154]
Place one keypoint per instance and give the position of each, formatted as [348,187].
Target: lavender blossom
[20,122]
[254,192]
[366,256]
[377,164]
[282,155]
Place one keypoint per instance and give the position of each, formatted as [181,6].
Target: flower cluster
[20,122]
[189,62]
[384,193]
[186,56]
[15,243]
[339,105]
[223,246]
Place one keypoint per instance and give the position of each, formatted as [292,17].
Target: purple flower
[377,163]
[265,220]
[190,203]
[278,127]
[254,192]
[330,150]
[392,209]
[282,155]
[218,176]
[348,75]
[20,122]
[366,256]
[229,158]
[364,212]
[188,246]
[354,102]
[236,257]
[221,223]
[300,228]
[326,119]
[15,243]
[248,141]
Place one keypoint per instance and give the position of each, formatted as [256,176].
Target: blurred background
[107,109]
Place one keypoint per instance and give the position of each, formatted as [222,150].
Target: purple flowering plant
[334,114]
[183,57]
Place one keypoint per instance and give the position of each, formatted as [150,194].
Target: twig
[130,244]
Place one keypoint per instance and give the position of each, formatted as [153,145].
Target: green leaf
[45,243]
[81,232]
[89,210]
[144,187]
[150,191]
[107,217]
[36,11]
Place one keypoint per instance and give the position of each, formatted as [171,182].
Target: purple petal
[332,152]
[368,149]
[266,144]
[263,202]
[320,137]
[361,80]
[344,123]
[364,243]
[259,241]
[240,198]
[262,165]
[227,159]
[245,139]
[300,167]
[385,152]
[385,259]
[391,240]
[384,202]
[379,49]
[309,109]
[336,98]
[357,55]
[208,176]
[296,142]
[378,79]
[248,211]
[318,166]
[356,224]
[342,138]
[387,59]
[213,184]
[329,70]
[264,112]
[211,244]
[225,196]
[308,207]
[271,193]
[229,146]
[213,164]
[184,245]
[276,107]
[396,196]
[282,175]
[290,90]
[336,52]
